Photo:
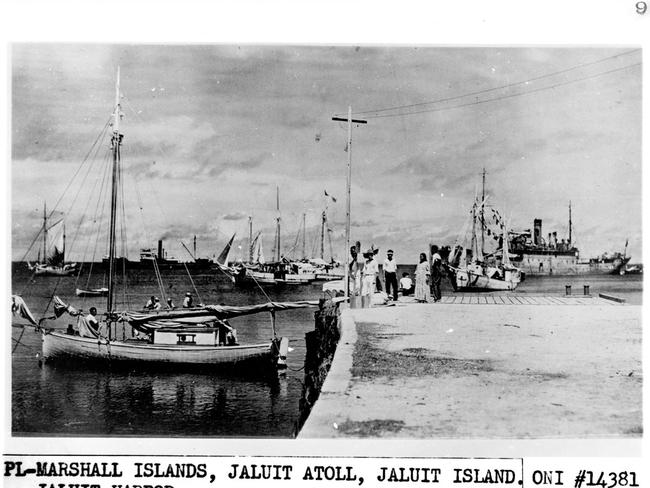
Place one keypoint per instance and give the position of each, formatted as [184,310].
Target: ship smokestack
[537,232]
[160,249]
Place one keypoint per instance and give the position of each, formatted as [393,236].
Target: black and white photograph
[280,241]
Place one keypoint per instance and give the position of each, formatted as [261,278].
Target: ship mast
[116,140]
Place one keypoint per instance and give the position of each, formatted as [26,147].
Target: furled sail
[147,321]
[18,306]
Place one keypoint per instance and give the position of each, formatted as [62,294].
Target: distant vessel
[149,257]
[53,251]
[536,256]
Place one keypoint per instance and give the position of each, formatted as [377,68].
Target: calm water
[76,401]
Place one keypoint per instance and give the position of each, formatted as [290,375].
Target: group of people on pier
[365,277]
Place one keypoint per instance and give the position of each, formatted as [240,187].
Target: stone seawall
[321,345]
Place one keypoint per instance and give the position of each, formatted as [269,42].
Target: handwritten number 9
[641,7]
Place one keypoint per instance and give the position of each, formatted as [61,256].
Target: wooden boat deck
[478,299]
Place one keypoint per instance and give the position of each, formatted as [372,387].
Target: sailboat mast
[304,235]
[45,232]
[474,243]
[570,224]
[250,238]
[322,235]
[277,229]
[483,216]
[116,140]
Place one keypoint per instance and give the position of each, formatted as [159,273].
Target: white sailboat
[475,270]
[192,336]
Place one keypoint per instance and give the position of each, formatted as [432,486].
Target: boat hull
[466,280]
[97,292]
[60,346]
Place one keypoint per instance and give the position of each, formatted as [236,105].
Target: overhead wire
[501,87]
[504,97]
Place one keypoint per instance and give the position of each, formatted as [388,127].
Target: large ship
[150,258]
[536,256]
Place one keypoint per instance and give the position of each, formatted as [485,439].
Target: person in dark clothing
[436,273]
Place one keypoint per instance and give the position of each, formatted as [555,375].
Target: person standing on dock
[422,275]
[436,273]
[370,272]
[390,274]
[355,276]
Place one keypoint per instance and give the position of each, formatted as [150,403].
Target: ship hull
[558,264]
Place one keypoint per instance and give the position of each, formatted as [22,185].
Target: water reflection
[76,400]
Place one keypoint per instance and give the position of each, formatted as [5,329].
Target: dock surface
[485,367]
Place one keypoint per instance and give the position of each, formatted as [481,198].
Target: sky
[211,132]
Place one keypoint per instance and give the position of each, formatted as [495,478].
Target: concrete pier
[485,367]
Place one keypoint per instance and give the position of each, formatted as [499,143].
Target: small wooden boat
[61,345]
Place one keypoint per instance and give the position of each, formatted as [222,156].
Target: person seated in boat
[156,304]
[170,304]
[150,303]
[406,285]
[88,326]
[188,301]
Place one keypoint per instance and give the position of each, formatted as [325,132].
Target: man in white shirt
[390,274]
[188,301]
[91,319]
